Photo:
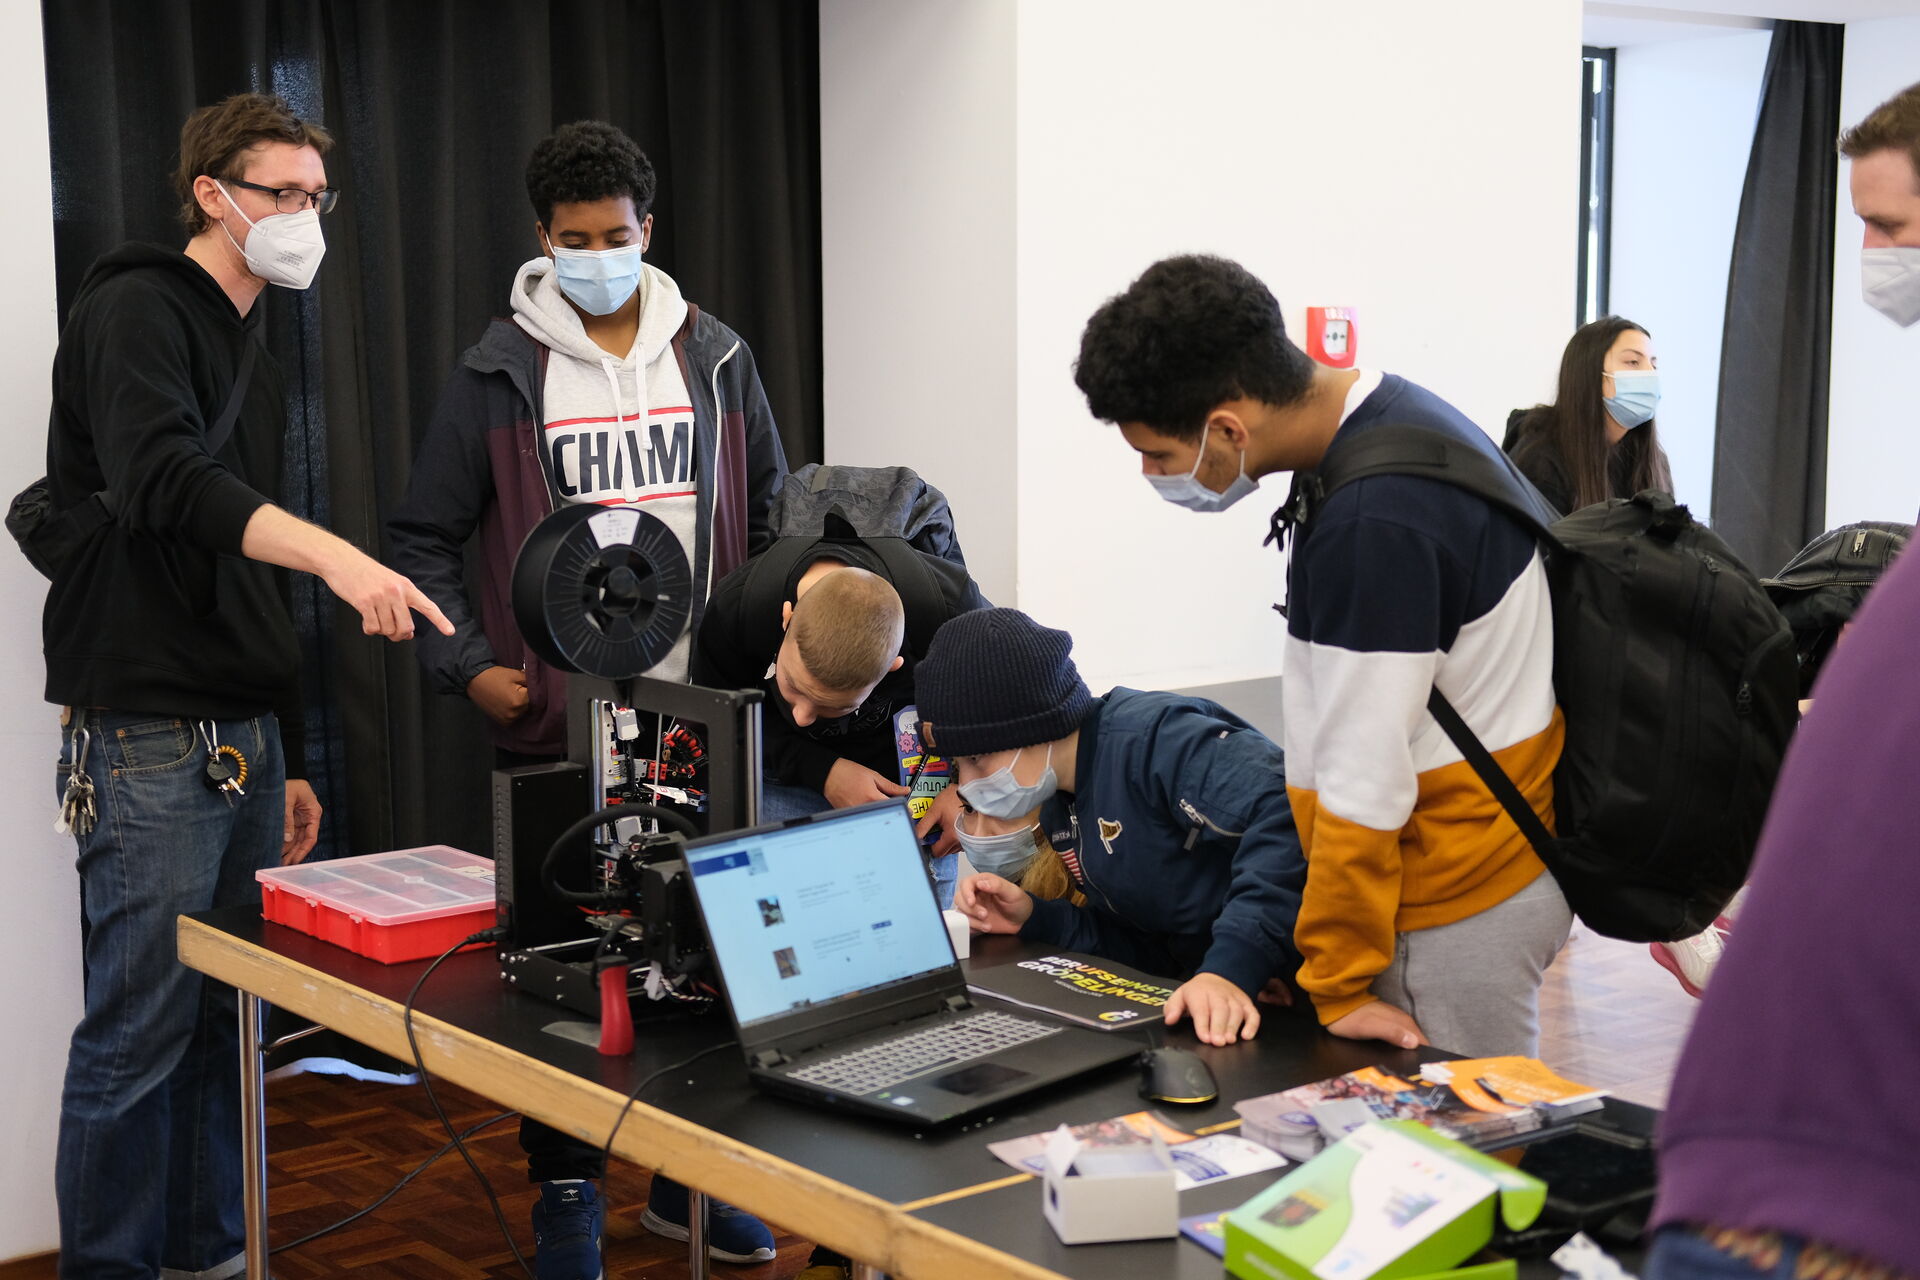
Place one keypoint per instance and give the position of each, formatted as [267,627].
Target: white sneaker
[1691,960]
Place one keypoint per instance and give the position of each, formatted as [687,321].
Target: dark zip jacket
[482,467]
[1180,834]
[740,636]
[159,611]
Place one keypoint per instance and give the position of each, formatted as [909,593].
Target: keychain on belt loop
[77,809]
[226,766]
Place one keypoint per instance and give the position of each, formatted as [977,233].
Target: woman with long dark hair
[1596,440]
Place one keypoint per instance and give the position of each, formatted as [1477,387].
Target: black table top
[893,1162]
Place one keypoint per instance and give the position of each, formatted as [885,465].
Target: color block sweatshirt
[1400,584]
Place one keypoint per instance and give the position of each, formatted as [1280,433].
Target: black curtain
[1770,446]
[434,106]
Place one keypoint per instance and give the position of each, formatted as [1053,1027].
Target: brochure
[928,777]
[1511,1082]
[1196,1160]
[1208,1230]
[1094,993]
[1483,1102]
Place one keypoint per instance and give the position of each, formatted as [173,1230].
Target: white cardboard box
[1092,1194]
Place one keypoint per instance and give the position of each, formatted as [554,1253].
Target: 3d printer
[592,885]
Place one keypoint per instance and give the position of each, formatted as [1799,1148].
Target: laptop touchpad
[978,1078]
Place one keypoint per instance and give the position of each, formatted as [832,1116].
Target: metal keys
[226,768]
[227,772]
[78,812]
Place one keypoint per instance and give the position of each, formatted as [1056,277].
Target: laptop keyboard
[883,1065]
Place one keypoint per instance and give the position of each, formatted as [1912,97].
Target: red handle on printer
[616,1016]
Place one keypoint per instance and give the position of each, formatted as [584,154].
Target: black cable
[396,1188]
[550,865]
[426,1082]
[606,1152]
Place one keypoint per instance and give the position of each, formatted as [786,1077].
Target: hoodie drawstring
[629,483]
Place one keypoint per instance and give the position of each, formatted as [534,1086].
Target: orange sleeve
[1346,931]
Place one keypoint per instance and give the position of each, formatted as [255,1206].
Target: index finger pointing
[429,610]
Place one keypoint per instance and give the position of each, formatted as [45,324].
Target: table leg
[697,1260]
[253,1133]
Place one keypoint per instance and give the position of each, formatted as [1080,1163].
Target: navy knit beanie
[995,680]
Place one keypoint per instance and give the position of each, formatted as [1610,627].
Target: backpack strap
[922,600]
[765,590]
[1392,449]
[1489,771]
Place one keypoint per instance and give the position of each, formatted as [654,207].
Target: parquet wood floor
[336,1145]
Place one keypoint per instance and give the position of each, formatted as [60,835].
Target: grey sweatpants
[1474,985]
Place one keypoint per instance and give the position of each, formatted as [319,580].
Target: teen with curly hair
[607,386]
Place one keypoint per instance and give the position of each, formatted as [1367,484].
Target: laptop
[842,981]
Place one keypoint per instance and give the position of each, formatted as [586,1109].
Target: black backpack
[1674,672]
[889,510]
[1819,590]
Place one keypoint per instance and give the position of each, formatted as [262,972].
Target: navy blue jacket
[1180,834]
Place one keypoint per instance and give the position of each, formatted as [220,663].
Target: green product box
[1391,1201]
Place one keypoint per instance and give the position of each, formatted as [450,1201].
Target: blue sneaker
[566,1231]
[733,1235]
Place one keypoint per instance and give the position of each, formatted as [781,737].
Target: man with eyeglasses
[170,648]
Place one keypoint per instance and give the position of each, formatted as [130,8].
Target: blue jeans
[1681,1253]
[148,1170]
[780,801]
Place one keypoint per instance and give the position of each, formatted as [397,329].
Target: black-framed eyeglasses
[293,199]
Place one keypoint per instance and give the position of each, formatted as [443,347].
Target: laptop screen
[820,911]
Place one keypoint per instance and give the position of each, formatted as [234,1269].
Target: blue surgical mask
[998,796]
[598,281]
[1005,855]
[1636,394]
[1187,491]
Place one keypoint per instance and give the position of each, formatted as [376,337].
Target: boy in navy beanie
[1169,812]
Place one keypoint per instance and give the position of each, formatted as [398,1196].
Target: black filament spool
[602,591]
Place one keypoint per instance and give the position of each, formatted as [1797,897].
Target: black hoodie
[160,612]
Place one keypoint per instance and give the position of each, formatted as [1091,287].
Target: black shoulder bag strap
[99,508]
[1416,451]
[230,414]
[1489,771]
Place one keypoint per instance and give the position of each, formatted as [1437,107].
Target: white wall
[917,199]
[1873,442]
[1684,113]
[39,930]
[1345,159]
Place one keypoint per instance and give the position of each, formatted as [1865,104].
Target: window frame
[1591,288]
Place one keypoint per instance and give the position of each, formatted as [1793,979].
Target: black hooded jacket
[159,611]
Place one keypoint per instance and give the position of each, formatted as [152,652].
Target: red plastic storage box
[406,905]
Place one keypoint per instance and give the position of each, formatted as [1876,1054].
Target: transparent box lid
[400,887]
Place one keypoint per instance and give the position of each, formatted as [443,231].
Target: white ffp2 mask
[1890,282]
[282,248]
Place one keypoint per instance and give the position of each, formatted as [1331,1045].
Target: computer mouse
[1175,1075]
